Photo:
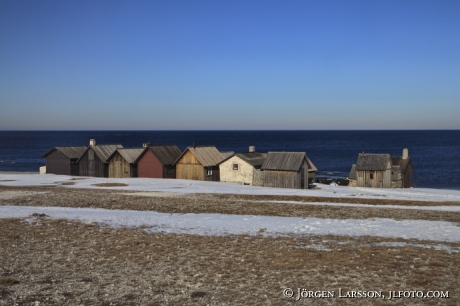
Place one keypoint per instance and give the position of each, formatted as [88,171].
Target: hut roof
[353,175]
[284,161]
[70,152]
[166,154]
[130,155]
[103,151]
[372,162]
[403,163]
[311,166]
[255,159]
[227,154]
[207,155]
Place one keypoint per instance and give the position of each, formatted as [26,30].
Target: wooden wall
[91,165]
[119,167]
[58,163]
[282,179]
[189,168]
[381,179]
[150,166]
[407,178]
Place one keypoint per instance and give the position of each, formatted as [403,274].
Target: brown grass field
[57,262]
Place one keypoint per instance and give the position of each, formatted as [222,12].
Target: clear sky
[229,65]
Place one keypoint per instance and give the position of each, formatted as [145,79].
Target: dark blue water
[435,154]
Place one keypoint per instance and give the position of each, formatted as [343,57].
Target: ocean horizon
[435,154]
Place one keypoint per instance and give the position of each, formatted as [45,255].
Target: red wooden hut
[157,161]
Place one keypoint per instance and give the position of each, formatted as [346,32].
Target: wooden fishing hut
[374,170]
[122,162]
[94,161]
[156,161]
[199,163]
[63,160]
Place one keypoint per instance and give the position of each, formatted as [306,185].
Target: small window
[371,176]
[235,166]
[209,171]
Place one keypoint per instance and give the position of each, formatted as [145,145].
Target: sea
[435,154]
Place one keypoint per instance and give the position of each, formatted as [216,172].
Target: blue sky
[229,65]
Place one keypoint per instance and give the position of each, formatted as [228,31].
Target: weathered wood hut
[122,162]
[405,167]
[353,177]
[94,161]
[63,160]
[157,161]
[243,168]
[374,170]
[199,163]
[287,170]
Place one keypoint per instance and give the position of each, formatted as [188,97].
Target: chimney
[145,145]
[252,148]
[92,142]
[405,154]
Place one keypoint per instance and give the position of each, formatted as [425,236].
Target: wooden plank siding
[188,167]
[91,165]
[380,179]
[282,179]
[150,166]
[58,163]
[119,167]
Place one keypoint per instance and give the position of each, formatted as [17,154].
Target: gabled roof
[227,154]
[130,154]
[103,151]
[166,154]
[285,161]
[207,155]
[372,162]
[70,152]
[403,163]
[255,159]
[353,175]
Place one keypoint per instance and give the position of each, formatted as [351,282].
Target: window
[235,166]
[209,171]
[371,175]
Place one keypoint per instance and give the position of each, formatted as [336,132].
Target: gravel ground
[57,262]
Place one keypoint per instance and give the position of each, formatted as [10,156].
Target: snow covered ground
[221,224]
[187,186]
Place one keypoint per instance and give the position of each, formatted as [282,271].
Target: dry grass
[222,204]
[70,263]
[8,281]
[110,185]
[57,262]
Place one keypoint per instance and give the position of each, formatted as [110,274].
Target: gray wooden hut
[374,170]
[94,161]
[199,163]
[287,170]
[405,168]
[63,160]
[122,162]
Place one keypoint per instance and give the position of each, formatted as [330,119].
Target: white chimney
[145,145]
[405,154]
[252,148]
[92,142]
